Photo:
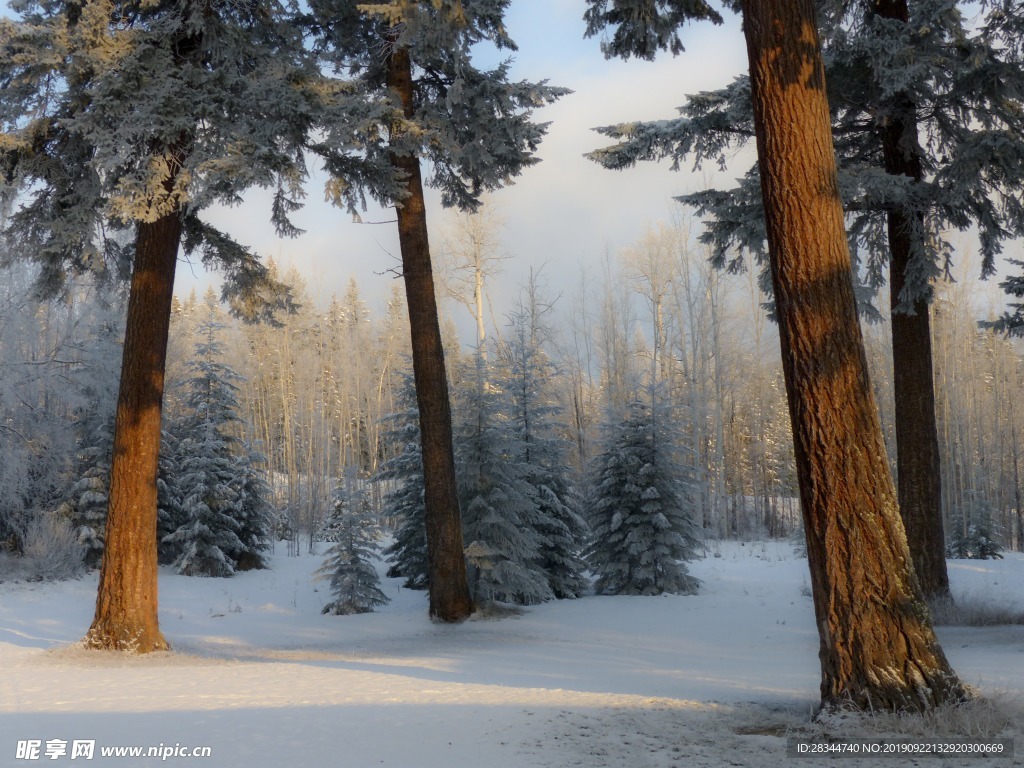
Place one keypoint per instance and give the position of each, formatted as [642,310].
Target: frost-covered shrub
[51,551]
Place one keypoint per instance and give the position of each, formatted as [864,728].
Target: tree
[878,649]
[535,416]
[502,519]
[474,127]
[354,580]
[222,503]
[87,505]
[927,130]
[642,516]
[131,121]
[877,646]
[403,502]
[210,506]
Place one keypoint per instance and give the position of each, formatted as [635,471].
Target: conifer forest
[813,348]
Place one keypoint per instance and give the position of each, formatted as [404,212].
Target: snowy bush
[973,611]
[51,551]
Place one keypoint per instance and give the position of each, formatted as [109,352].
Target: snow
[260,676]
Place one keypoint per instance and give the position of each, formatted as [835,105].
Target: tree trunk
[126,603]
[917,440]
[878,649]
[449,589]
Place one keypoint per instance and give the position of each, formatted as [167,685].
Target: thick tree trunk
[449,590]
[917,438]
[878,649]
[126,603]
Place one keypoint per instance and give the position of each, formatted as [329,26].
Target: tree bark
[449,589]
[126,603]
[917,440]
[877,646]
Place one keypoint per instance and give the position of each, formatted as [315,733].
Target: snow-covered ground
[263,679]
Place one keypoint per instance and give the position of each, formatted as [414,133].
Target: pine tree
[355,584]
[641,518]
[222,504]
[543,450]
[86,506]
[404,500]
[501,517]
[928,128]
[130,120]
[877,646]
[475,130]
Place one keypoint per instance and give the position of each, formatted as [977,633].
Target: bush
[51,551]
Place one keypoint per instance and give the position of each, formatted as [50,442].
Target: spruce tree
[86,506]
[543,450]
[170,516]
[641,514]
[210,505]
[348,564]
[501,517]
[224,517]
[257,517]
[403,501]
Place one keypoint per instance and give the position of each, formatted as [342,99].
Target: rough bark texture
[449,589]
[917,438]
[126,603]
[878,649]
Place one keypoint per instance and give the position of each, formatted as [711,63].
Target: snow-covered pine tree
[86,506]
[348,563]
[877,646]
[132,119]
[928,130]
[256,514]
[641,517]
[501,516]
[210,505]
[535,417]
[475,129]
[170,516]
[222,522]
[97,352]
[403,501]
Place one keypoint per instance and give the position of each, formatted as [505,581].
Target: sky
[561,215]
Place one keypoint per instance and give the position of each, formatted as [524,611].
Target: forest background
[608,264]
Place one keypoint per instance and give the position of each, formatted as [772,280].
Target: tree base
[125,641]
[942,691]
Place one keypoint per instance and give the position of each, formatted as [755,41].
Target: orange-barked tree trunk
[446,564]
[126,603]
[877,646]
